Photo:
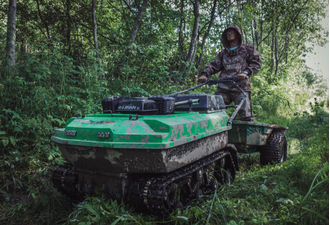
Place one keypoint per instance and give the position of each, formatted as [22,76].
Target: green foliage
[100,210]
[58,75]
[269,101]
[310,78]
[311,129]
[47,90]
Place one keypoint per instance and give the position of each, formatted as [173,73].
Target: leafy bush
[311,129]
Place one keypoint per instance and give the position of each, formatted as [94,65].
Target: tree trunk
[137,22]
[180,31]
[136,26]
[276,55]
[95,30]
[68,22]
[272,60]
[200,60]
[42,20]
[193,42]
[195,50]
[261,34]
[11,35]
[252,33]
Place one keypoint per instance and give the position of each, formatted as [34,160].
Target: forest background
[62,57]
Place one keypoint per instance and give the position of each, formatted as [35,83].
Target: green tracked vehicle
[161,152]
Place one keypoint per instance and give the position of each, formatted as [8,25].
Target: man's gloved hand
[202,79]
[241,76]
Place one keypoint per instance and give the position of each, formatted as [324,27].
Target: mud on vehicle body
[159,153]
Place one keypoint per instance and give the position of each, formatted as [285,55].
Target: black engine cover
[207,103]
[141,106]
[165,105]
[109,104]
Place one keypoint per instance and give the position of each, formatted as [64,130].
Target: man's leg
[226,97]
[245,113]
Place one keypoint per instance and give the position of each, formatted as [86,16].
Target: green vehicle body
[149,144]
[118,153]
[144,145]
[156,133]
[147,132]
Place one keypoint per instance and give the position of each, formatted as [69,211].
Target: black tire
[275,150]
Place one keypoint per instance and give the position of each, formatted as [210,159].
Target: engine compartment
[163,105]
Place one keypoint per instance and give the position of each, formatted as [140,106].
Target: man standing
[237,59]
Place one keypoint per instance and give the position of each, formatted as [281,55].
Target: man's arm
[253,60]
[212,68]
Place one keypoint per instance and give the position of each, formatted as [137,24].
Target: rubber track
[148,193]
[65,180]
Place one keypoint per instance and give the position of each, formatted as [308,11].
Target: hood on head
[224,40]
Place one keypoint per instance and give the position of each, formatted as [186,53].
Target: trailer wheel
[275,150]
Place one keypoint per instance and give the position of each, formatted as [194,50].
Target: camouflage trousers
[245,113]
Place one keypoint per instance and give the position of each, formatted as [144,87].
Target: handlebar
[217,81]
[232,80]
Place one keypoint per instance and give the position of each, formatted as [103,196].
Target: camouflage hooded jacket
[233,62]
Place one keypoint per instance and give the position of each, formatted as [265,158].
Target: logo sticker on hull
[96,122]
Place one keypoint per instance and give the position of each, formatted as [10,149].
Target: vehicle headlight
[103,134]
[72,133]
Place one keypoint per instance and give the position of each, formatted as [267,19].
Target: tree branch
[115,7]
[129,7]
[273,27]
[290,27]
[102,35]
[42,19]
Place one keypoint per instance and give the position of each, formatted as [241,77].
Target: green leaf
[182,218]
[93,211]
[84,223]
[13,140]
[116,221]
[5,142]
[263,187]
[285,201]
[232,222]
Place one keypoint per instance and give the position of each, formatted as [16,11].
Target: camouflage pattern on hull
[111,160]
[144,132]
[111,174]
[106,150]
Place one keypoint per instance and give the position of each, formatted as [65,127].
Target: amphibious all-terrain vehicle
[160,152]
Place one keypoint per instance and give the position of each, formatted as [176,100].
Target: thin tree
[194,38]
[206,34]
[69,26]
[11,35]
[137,22]
[95,30]
[136,26]
[181,30]
[200,60]
[43,20]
